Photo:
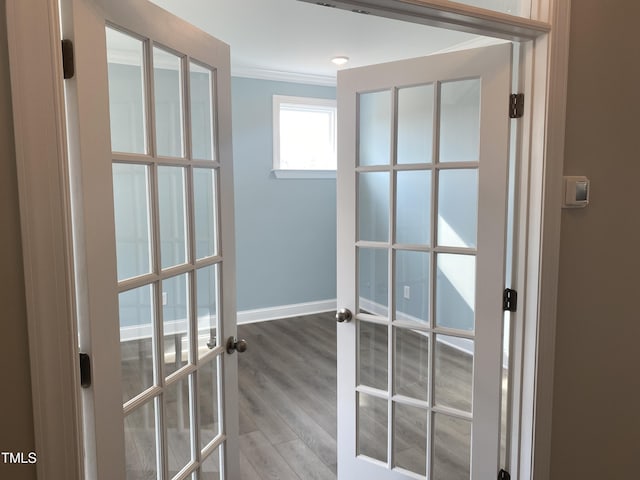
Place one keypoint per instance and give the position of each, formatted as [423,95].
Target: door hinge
[85,370]
[504,475]
[516,105]
[68,63]
[509,300]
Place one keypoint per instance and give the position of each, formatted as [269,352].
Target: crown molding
[260,73]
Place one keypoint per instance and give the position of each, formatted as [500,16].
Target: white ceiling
[292,40]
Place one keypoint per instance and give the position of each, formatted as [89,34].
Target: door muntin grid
[170,298]
[406,272]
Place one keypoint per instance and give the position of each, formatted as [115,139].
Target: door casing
[44,186]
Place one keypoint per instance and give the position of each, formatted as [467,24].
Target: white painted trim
[43,184]
[259,73]
[447,14]
[285,311]
[309,104]
[553,125]
[303,174]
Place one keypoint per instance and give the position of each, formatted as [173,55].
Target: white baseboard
[285,311]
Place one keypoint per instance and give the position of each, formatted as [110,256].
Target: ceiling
[292,40]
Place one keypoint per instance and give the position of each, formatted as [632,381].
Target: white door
[150,139]
[422,190]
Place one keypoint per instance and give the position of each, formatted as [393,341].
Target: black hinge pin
[504,475]
[68,65]
[516,105]
[509,300]
[85,370]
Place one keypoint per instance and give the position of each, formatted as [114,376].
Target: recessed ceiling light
[340,60]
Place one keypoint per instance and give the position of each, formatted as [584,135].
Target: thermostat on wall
[576,192]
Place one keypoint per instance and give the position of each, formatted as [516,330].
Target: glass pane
[372,427]
[453,372]
[413,207]
[207,298]
[411,368]
[172,208]
[178,425]
[141,448]
[201,89]
[415,124]
[208,401]
[373,206]
[132,219]
[136,340]
[456,291]
[175,319]
[167,75]
[373,281]
[210,469]
[410,438]
[373,358]
[307,136]
[460,121]
[458,208]
[452,448]
[412,286]
[126,92]
[374,139]
[205,194]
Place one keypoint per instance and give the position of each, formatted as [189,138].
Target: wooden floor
[287,382]
[287,405]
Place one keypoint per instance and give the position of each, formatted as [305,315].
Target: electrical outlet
[165,298]
[407,292]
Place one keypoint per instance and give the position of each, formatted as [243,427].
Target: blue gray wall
[285,229]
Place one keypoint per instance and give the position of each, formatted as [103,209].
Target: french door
[422,195]
[150,130]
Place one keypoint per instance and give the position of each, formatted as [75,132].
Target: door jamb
[43,182]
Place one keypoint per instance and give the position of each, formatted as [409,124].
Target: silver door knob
[344,315]
[234,344]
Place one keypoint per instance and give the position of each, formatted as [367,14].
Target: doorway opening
[290,278]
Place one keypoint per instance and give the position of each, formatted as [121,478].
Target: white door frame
[43,183]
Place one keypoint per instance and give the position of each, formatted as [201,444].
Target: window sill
[304,174]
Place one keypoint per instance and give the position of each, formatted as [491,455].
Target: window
[304,137]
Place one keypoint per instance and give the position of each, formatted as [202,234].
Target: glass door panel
[176,329]
[421,257]
[127,103]
[169,259]
[415,124]
[202,86]
[169,109]
[374,145]
[141,442]
[459,123]
[131,192]
[413,207]
[173,216]
[137,341]
[178,426]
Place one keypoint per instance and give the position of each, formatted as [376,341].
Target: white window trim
[43,183]
[288,173]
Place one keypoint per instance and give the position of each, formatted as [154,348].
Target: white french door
[422,195]
[150,138]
